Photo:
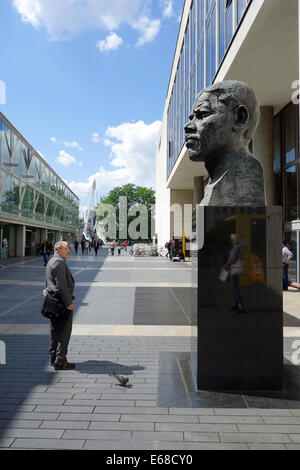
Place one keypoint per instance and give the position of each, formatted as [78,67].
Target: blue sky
[86,82]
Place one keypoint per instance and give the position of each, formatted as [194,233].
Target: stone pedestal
[239,351]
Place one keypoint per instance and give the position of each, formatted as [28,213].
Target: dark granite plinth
[240,351]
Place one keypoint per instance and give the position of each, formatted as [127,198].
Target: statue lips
[191,140]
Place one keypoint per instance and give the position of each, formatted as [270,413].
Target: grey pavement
[87,408]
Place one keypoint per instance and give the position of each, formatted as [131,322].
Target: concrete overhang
[264,52]
[184,172]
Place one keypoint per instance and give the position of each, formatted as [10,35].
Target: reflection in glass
[241,7]
[291,193]
[290,130]
[228,15]
[222,30]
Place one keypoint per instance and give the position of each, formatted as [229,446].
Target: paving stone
[17,408]
[255,437]
[292,446]
[122,426]
[267,446]
[251,412]
[157,436]
[185,427]
[192,411]
[43,401]
[28,416]
[283,420]
[32,433]
[131,410]
[129,396]
[85,396]
[55,444]
[101,435]
[199,446]
[89,417]
[65,425]
[269,428]
[119,445]
[21,424]
[6,442]
[64,409]
[231,420]
[159,418]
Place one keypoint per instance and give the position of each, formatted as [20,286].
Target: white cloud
[149,29]
[66,159]
[167,6]
[133,150]
[73,145]
[63,19]
[96,138]
[111,43]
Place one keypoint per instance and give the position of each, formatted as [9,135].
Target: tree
[132,211]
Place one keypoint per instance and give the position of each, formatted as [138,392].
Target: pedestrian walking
[125,245]
[112,248]
[96,247]
[119,246]
[86,247]
[287,256]
[60,284]
[76,244]
[82,244]
[45,251]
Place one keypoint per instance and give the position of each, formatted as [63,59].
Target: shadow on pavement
[106,367]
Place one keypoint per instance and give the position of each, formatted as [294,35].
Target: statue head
[224,118]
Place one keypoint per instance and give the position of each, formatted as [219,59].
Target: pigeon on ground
[121,378]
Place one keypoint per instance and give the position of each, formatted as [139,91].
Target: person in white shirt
[287,255]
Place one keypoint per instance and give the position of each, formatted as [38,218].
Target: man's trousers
[60,334]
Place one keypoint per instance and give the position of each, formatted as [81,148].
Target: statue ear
[241,117]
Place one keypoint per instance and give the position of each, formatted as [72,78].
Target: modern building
[35,203]
[255,41]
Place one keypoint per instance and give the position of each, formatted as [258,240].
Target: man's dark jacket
[59,280]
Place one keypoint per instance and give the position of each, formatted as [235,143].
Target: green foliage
[136,195]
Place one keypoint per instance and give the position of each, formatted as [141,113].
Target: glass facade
[208,34]
[287,179]
[29,188]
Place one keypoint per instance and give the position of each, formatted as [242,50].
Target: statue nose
[190,127]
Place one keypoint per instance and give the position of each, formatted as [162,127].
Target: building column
[263,150]
[21,240]
[44,235]
[198,190]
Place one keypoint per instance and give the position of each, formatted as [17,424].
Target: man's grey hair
[59,245]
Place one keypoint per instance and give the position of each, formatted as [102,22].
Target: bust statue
[222,124]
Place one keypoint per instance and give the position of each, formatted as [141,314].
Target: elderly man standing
[60,284]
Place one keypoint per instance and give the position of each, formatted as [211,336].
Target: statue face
[210,128]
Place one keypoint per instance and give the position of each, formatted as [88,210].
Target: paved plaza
[133,316]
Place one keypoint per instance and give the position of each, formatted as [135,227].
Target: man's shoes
[64,366]
[234,307]
[52,360]
[240,308]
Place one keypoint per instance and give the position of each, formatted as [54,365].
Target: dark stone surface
[240,351]
[177,387]
[222,124]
